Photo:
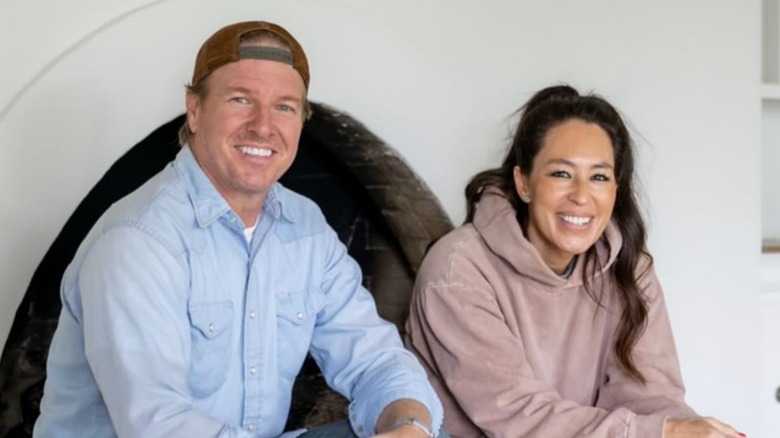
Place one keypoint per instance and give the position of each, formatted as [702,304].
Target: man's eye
[286,108]
[239,99]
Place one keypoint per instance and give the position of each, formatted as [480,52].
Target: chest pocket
[211,333]
[296,315]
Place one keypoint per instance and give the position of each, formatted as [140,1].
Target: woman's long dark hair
[545,110]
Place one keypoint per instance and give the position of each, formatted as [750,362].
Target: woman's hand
[699,427]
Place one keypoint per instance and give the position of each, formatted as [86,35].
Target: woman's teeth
[576,220]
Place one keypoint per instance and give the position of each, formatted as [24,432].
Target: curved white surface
[437,80]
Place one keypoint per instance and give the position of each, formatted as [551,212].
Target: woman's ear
[521,185]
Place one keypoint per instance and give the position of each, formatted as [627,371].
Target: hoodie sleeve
[655,356]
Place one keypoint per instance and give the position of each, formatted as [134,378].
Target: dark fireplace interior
[384,214]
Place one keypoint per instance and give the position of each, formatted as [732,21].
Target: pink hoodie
[514,350]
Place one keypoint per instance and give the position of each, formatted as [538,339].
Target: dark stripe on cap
[267,53]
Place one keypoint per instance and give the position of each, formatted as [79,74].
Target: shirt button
[253,371]
[360,429]
[211,327]
[251,427]
[299,315]
[252,314]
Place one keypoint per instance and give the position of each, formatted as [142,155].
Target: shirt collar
[208,203]
[280,205]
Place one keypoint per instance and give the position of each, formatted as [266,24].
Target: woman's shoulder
[457,257]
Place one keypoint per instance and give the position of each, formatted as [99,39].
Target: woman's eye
[601,177]
[560,174]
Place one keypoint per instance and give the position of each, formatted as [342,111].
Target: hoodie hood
[496,222]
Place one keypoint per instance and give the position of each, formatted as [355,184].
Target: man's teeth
[260,152]
[575,220]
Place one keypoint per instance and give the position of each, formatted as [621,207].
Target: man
[191,305]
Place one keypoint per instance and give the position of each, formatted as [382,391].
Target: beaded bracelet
[414,423]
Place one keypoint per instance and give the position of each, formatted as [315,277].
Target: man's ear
[193,111]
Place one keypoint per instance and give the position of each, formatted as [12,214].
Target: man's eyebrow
[292,97]
[239,89]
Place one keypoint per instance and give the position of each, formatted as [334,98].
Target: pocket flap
[293,307]
[211,319]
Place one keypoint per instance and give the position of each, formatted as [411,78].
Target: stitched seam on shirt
[143,228]
[443,285]
[370,382]
[137,217]
[455,250]
[93,240]
[629,417]
[417,394]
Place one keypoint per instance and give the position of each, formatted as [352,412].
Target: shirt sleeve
[464,337]
[655,356]
[133,301]
[361,355]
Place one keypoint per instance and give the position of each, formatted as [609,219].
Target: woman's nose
[579,192]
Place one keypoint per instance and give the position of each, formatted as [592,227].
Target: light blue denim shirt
[174,326]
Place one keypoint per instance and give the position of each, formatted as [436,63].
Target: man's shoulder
[162,196]
[149,210]
[294,199]
[300,212]
[159,207]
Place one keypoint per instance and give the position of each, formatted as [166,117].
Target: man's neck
[249,214]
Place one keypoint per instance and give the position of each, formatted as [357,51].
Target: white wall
[770,152]
[83,80]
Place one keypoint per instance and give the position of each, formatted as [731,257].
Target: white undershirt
[249,232]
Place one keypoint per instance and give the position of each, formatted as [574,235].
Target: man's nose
[260,120]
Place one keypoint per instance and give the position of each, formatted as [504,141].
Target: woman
[542,316]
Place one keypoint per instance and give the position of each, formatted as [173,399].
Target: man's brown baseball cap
[225,47]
